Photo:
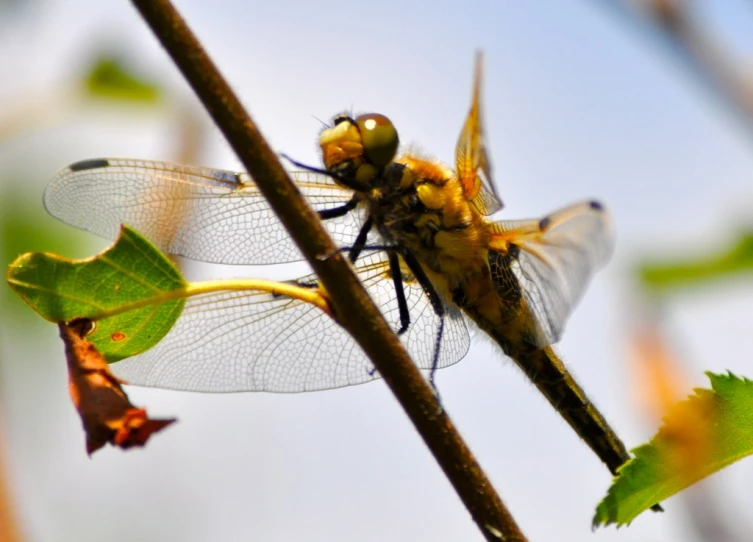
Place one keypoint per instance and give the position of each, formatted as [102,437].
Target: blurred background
[643,105]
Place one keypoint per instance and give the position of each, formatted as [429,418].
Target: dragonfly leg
[342,210]
[348,182]
[299,283]
[307,284]
[372,248]
[354,250]
[402,304]
[360,242]
[436,303]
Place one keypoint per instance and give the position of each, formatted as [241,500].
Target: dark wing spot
[92,163]
[596,205]
[243,178]
[513,250]
[503,278]
[231,177]
[544,223]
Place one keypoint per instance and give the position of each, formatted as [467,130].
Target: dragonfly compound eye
[379,138]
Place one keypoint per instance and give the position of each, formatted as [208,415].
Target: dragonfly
[418,235]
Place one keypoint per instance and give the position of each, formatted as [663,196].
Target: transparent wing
[472,164]
[556,258]
[252,341]
[201,213]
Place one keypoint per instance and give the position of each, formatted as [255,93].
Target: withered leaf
[106,413]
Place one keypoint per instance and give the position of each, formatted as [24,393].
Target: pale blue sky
[575,107]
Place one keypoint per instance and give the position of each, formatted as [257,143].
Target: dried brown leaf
[106,413]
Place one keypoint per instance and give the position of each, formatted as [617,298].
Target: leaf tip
[106,413]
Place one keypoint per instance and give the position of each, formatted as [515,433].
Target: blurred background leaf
[712,267]
[700,436]
[25,227]
[112,78]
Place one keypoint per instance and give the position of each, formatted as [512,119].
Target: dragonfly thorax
[420,206]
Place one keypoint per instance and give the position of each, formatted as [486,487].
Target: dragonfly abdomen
[549,375]
[543,367]
[498,307]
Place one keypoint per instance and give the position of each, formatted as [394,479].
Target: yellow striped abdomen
[507,324]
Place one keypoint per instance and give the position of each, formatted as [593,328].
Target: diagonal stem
[674,26]
[352,305]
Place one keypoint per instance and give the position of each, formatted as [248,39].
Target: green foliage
[110,78]
[662,276]
[701,435]
[24,226]
[125,289]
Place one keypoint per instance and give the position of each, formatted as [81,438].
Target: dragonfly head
[359,147]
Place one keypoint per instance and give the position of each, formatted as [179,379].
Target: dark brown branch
[351,303]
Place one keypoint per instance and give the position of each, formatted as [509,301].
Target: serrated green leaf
[663,276]
[701,435]
[129,281]
[110,78]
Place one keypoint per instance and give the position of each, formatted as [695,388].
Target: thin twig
[351,303]
[673,23]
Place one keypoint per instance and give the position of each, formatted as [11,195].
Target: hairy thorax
[421,206]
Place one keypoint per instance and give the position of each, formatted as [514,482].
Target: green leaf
[701,435]
[662,276]
[125,290]
[25,226]
[110,78]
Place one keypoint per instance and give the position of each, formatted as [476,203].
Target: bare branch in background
[675,24]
